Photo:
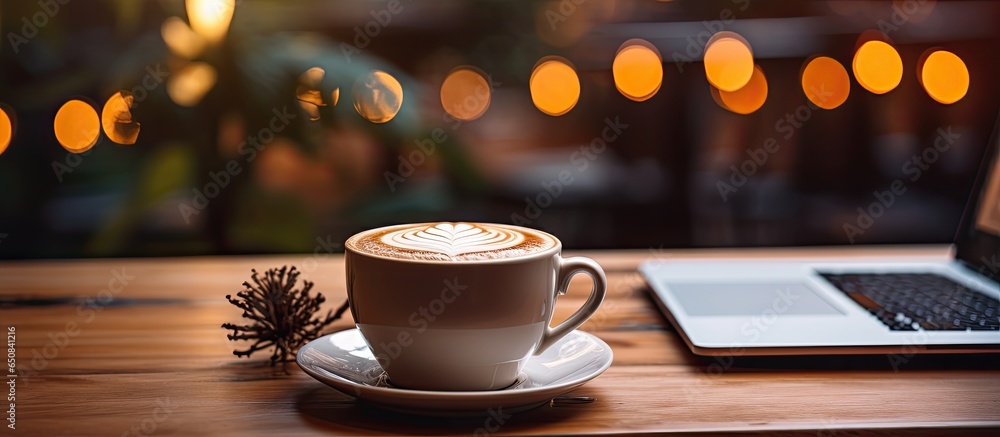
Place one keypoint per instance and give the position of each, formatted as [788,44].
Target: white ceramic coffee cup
[463,324]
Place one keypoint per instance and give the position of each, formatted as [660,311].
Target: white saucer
[343,361]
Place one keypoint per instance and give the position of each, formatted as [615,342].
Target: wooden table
[154,361]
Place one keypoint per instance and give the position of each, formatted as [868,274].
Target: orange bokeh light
[210,18]
[6,130]
[877,67]
[180,39]
[944,76]
[377,96]
[554,86]
[638,70]
[748,99]
[189,85]
[728,61]
[825,82]
[77,126]
[465,93]
[117,121]
[308,93]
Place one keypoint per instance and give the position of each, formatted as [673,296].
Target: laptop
[759,308]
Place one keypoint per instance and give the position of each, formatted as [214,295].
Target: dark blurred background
[251,139]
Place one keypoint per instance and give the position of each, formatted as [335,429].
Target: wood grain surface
[146,356]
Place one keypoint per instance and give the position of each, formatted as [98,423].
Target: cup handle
[567,268]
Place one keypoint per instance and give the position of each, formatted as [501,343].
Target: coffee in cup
[461,306]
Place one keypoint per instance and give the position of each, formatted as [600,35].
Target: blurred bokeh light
[117,121]
[377,96]
[225,91]
[638,70]
[210,18]
[335,96]
[944,76]
[180,39]
[6,129]
[554,86]
[748,99]
[878,67]
[825,82]
[77,126]
[189,85]
[728,61]
[308,93]
[465,93]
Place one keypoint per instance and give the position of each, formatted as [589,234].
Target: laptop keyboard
[919,301]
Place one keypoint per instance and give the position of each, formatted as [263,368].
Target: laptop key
[907,302]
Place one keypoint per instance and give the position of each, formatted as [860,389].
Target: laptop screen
[978,239]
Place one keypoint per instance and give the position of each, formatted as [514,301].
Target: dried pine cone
[282,316]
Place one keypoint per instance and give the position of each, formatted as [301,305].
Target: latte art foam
[454,239]
[451,241]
